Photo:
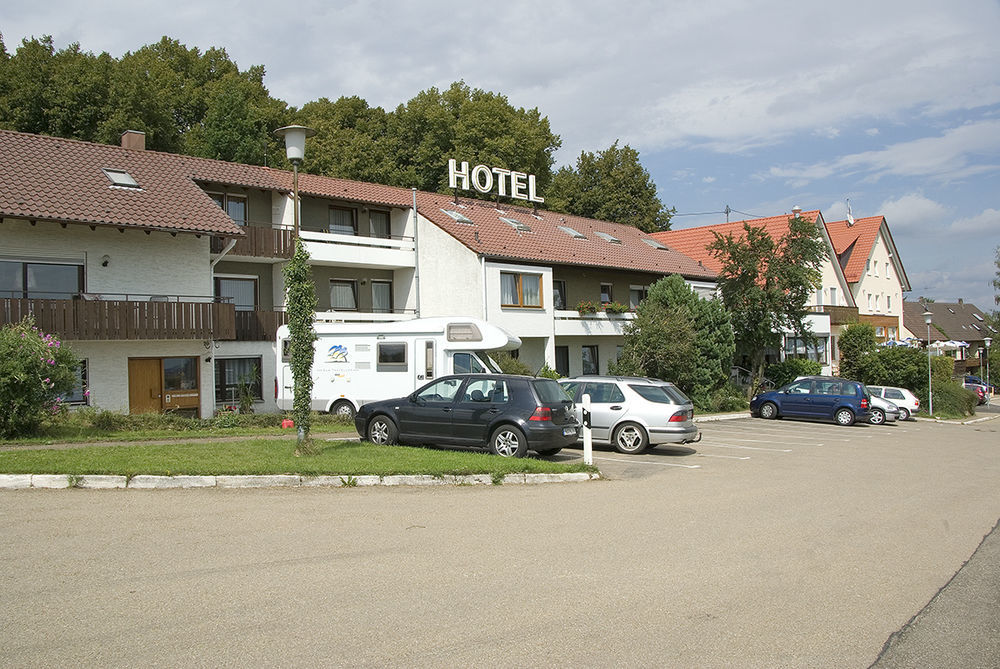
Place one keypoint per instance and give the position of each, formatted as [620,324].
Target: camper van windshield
[472,363]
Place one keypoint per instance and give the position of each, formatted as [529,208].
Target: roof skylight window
[977,317]
[611,239]
[655,244]
[120,178]
[458,216]
[516,224]
[571,232]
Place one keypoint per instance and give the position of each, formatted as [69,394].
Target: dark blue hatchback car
[815,397]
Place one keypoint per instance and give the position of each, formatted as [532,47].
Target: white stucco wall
[876,283]
[451,281]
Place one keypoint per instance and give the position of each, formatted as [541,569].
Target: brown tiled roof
[60,179]
[547,243]
[693,242]
[958,320]
[49,178]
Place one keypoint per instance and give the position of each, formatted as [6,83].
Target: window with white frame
[875,265]
[607,293]
[342,221]
[806,348]
[888,302]
[558,294]
[887,270]
[833,297]
[343,294]
[80,394]
[591,364]
[520,290]
[382,297]
[637,294]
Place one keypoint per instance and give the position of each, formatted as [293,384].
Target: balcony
[259,325]
[259,242]
[838,315]
[327,248]
[572,323]
[107,318]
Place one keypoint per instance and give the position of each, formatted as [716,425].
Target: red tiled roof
[693,242]
[59,179]
[546,242]
[853,243]
[49,178]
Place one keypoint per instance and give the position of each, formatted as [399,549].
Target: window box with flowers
[585,307]
[615,307]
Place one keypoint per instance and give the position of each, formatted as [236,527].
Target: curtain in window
[342,295]
[342,221]
[508,289]
[380,224]
[241,291]
[236,207]
[381,296]
[532,290]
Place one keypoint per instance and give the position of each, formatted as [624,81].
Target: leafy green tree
[765,284]
[468,125]
[680,337]
[352,141]
[36,373]
[858,345]
[301,314]
[611,185]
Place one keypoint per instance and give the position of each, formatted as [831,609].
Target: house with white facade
[164,272]
[833,301]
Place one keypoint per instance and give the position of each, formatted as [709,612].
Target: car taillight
[864,403]
[679,417]
[276,389]
[541,413]
[916,403]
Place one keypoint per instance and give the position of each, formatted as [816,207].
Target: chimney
[134,139]
[961,301]
[796,210]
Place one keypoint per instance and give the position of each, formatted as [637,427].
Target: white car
[883,411]
[906,401]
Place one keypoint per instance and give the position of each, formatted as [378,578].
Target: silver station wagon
[633,413]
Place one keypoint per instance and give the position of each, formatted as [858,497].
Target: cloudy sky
[758,106]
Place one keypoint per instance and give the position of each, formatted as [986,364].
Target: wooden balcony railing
[838,315]
[259,325]
[260,242]
[81,319]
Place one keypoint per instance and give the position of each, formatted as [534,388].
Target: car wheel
[381,430]
[548,451]
[630,438]
[507,441]
[877,418]
[768,410]
[904,414]
[845,417]
[343,409]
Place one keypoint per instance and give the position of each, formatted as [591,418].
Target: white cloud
[987,222]
[914,212]
[872,132]
[708,180]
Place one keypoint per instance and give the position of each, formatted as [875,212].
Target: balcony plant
[585,307]
[615,307]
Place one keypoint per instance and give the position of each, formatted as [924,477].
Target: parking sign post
[588,441]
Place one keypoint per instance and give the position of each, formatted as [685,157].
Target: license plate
[567,431]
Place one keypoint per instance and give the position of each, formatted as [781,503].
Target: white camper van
[357,363]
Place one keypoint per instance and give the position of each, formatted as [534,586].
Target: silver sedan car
[883,411]
[634,413]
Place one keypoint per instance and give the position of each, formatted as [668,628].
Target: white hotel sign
[508,182]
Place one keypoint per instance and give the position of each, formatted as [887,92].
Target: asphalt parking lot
[730,443]
[768,544]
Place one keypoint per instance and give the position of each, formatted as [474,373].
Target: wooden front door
[145,385]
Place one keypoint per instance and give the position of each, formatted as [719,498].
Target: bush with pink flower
[36,373]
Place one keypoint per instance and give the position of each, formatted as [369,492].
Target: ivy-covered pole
[301,299]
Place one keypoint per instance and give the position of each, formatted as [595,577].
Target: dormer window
[120,178]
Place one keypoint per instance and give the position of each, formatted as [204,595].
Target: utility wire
[728,210]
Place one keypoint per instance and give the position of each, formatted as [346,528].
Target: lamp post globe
[295,151]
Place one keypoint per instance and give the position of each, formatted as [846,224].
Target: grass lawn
[269,456]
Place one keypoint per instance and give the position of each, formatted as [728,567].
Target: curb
[720,416]
[149,482]
[943,421]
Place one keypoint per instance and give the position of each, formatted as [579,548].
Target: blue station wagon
[815,397]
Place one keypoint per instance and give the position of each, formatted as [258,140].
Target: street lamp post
[301,300]
[295,151]
[989,388]
[928,316]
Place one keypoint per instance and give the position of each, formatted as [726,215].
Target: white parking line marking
[752,448]
[646,462]
[728,457]
[768,441]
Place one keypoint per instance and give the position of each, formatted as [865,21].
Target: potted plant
[615,307]
[585,307]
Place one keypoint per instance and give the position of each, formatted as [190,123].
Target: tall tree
[680,337]
[765,284]
[352,140]
[611,185]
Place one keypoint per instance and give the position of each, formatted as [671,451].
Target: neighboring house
[833,303]
[874,270]
[951,321]
[164,272]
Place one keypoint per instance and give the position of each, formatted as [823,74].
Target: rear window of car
[652,393]
[676,394]
[893,394]
[549,392]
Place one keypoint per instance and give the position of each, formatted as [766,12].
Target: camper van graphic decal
[337,353]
